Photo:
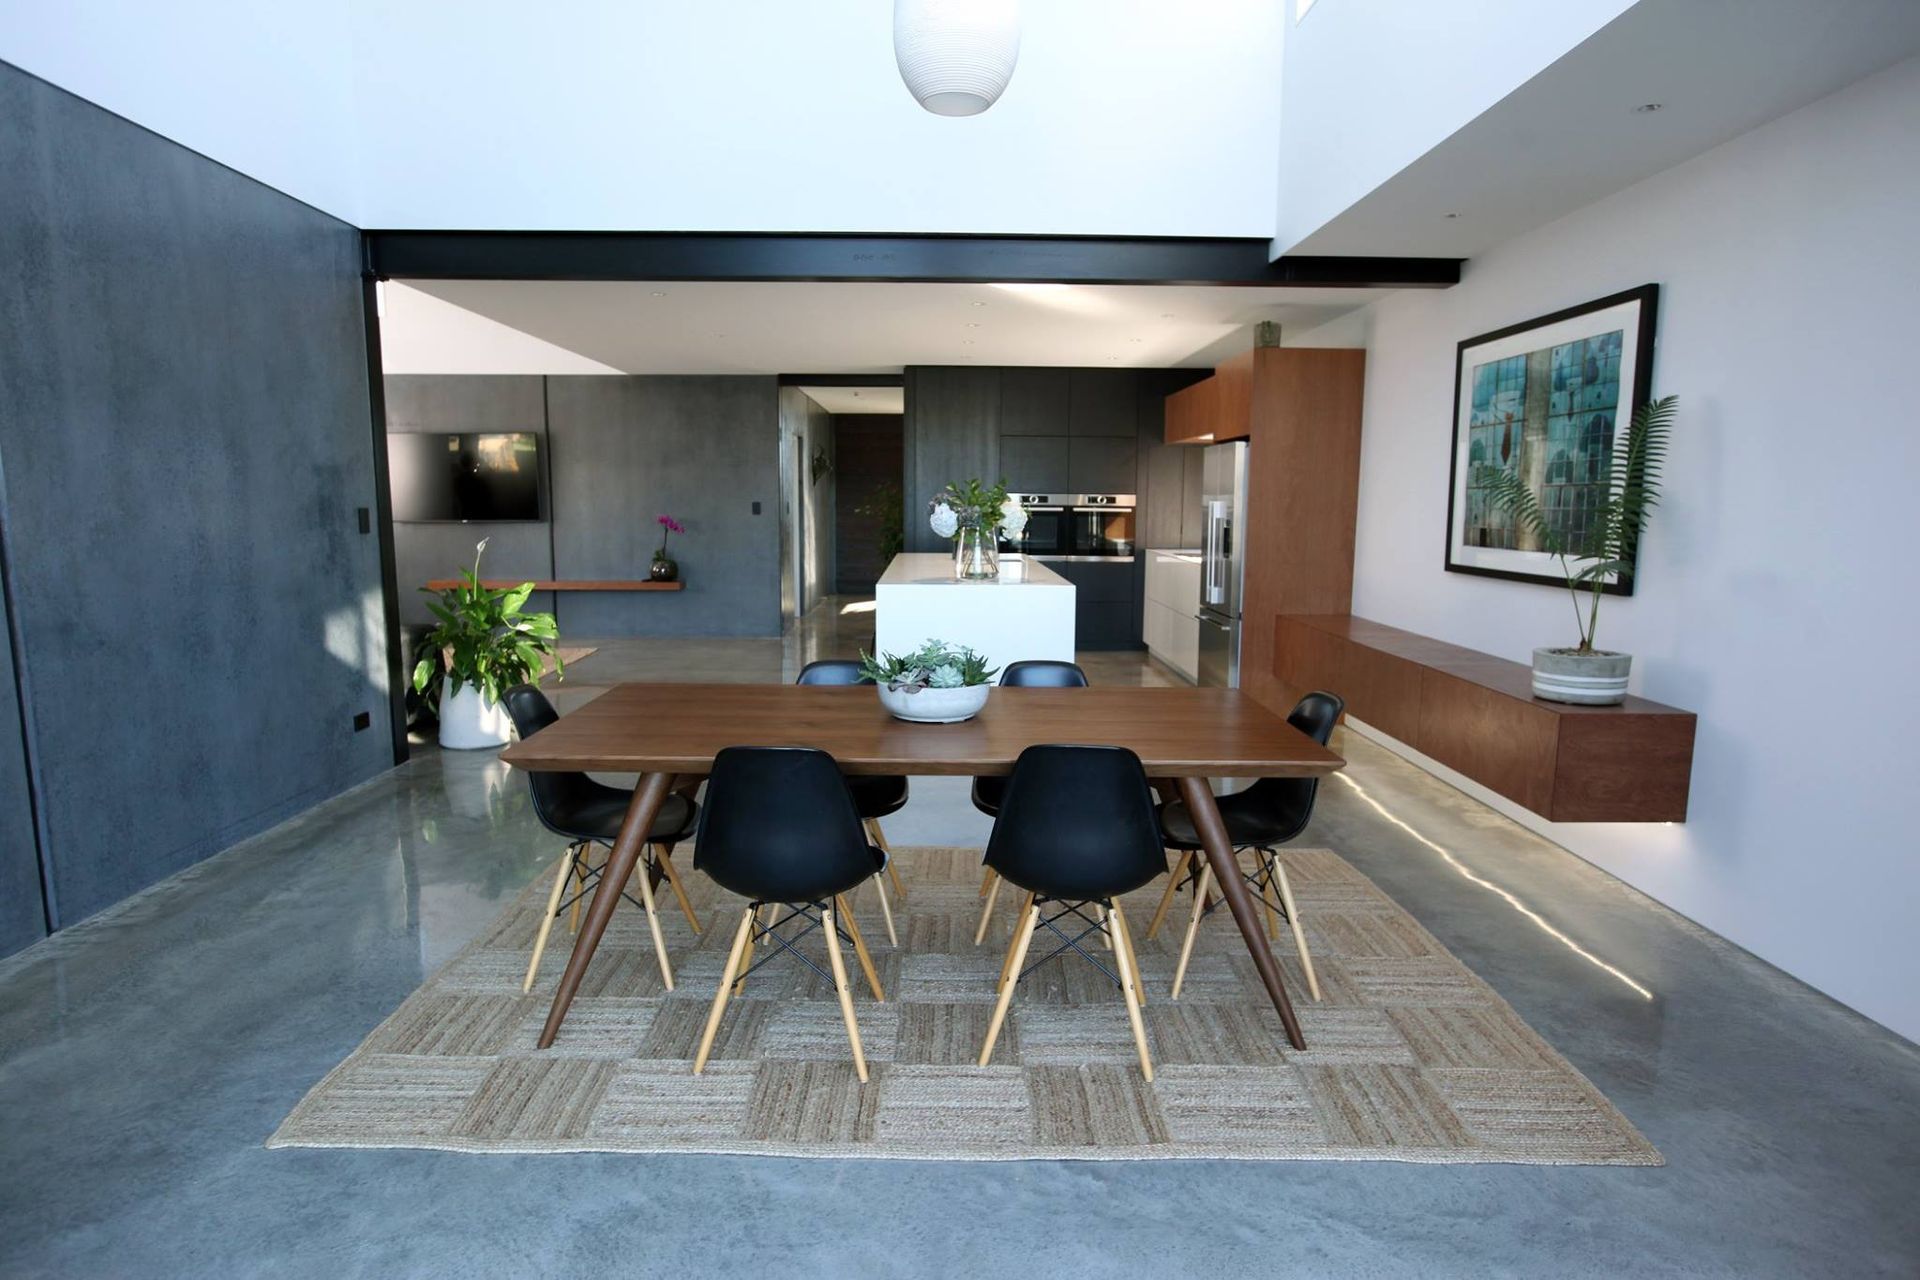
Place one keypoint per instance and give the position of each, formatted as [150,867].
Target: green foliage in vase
[934,665]
[889,509]
[1614,524]
[485,639]
[974,505]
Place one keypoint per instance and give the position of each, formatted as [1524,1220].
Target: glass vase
[976,555]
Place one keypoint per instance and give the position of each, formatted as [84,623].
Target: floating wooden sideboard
[502,584]
[1476,713]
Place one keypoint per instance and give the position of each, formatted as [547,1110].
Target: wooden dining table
[670,733]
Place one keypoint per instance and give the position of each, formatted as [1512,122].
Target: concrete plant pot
[469,720]
[935,706]
[1597,679]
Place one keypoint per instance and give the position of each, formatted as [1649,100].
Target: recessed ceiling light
[1166,315]
[1136,339]
[966,342]
[979,304]
[973,324]
[657,293]
[719,335]
[1450,215]
[1648,108]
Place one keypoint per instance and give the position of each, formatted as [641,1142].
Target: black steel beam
[617,255]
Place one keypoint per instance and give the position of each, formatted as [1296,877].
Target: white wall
[1776,596]
[262,88]
[1132,117]
[1353,69]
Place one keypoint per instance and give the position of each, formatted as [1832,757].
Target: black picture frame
[1645,302]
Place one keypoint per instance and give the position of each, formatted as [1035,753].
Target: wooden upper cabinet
[1191,418]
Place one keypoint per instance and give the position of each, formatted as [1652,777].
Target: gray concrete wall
[701,449]
[22,919]
[185,437]
[459,404]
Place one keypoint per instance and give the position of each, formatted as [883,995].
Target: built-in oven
[1100,526]
[1046,534]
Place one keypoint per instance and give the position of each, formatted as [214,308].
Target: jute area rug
[1410,1056]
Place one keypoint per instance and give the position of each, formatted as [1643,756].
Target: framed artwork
[1543,399]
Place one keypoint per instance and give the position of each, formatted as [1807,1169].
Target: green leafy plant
[968,505]
[484,639]
[888,508]
[1614,525]
[934,665]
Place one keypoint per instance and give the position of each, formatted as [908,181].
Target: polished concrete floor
[146,1055]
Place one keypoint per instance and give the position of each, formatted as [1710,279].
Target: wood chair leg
[860,948]
[546,921]
[1263,859]
[986,913]
[764,930]
[1106,928]
[1022,938]
[653,926]
[679,889]
[886,910]
[987,877]
[1125,934]
[1299,934]
[720,996]
[893,868]
[1166,899]
[580,867]
[1020,923]
[1193,927]
[846,995]
[1130,988]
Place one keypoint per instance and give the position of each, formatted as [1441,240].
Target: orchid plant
[667,525]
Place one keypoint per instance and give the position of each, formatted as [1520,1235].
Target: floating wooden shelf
[1476,713]
[496,584]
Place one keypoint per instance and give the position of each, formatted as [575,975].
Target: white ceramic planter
[935,706]
[469,721]
[1592,679]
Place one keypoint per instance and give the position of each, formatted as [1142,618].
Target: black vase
[664,570]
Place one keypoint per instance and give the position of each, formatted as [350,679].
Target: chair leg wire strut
[1268,881]
[1110,924]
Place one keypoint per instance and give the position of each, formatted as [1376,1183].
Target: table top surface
[935,569]
[679,728]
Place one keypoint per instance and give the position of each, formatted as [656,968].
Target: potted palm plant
[1583,673]
[486,645]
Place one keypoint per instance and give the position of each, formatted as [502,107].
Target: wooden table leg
[1226,873]
[647,798]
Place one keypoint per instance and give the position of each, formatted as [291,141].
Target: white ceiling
[859,399]
[670,327]
[1570,135]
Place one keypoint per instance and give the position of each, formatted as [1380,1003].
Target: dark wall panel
[701,449]
[22,919]
[184,428]
[867,460]
[455,404]
[952,435]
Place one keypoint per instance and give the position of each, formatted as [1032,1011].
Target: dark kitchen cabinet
[1033,402]
[1103,464]
[952,434]
[1106,610]
[1101,402]
[1035,464]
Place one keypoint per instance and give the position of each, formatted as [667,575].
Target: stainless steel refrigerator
[1223,509]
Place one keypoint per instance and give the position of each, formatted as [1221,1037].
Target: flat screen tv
[441,477]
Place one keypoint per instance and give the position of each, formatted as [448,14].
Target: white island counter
[1026,614]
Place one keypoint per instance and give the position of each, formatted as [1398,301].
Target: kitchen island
[1027,613]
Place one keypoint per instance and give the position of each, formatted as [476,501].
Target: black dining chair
[1258,820]
[875,796]
[589,813]
[1076,830]
[990,788]
[780,829]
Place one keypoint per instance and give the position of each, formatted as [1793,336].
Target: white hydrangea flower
[944,521]
[1013,518]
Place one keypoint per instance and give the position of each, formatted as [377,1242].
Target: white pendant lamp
[956,56]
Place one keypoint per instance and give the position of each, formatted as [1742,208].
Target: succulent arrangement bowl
[937,683]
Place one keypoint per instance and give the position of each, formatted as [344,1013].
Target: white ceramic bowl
[935,706]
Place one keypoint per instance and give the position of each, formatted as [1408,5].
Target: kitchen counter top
[935,569]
